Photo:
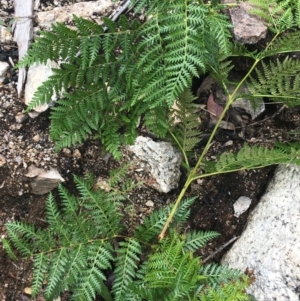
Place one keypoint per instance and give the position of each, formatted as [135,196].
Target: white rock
[37,74]
[270,245]
[241,205]
[247,29]
[5,35]
[163,161]
[3,69]
[65,14]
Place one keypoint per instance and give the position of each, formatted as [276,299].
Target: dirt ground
[212,210]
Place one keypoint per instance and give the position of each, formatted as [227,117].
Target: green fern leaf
[252,157]
[126,266]
[278,81]
[197,239]
[185,122]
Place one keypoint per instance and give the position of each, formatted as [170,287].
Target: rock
[247,29]
[2,160]
[270,244]
[3,69]
[65,14]
[20,117]
[149,204]
[44,181]
[37,74]
[241,205]
[5,35]
[163,162]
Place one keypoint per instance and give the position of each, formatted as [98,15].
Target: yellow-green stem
[193,174]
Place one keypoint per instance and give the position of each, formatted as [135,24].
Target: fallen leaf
[215,110]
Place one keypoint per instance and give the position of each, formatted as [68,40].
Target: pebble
[20,117]
[150,204]
[36,138]
[2,160]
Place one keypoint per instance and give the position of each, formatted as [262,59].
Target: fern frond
[39,272]
[8,249]
[185,123]
[16,232]
[169,272]
[91,280]
[279,15]
[126,267]
[100,208]
[151,227]
[197,239]
[285,43]
[252,157]
[227,292]
[183,211]
[177,53]
[278,81]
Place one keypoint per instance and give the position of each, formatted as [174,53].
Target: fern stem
[193,174]
[181,149]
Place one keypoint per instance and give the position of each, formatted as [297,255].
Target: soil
[28,143]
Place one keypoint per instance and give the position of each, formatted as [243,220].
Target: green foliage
[279,14]
[85,241]
[252,157]
[109,79]
[278,80]
[184,123]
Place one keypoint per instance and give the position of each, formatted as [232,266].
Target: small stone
[27,290]
[3,69]
[149,204]
[241,205]
[16,127]
[33,114]
[36,138]
[77,154]
[20,117]
[66,152]
[19,160]
[2,160]
[5,35]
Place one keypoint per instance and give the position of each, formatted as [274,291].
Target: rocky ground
[25,142]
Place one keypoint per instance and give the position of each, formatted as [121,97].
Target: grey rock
[270,244]
[162,159]
[43,181]
[65,14]
[3,69]
[247,29]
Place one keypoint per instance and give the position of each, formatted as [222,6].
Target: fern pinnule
[278,80]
